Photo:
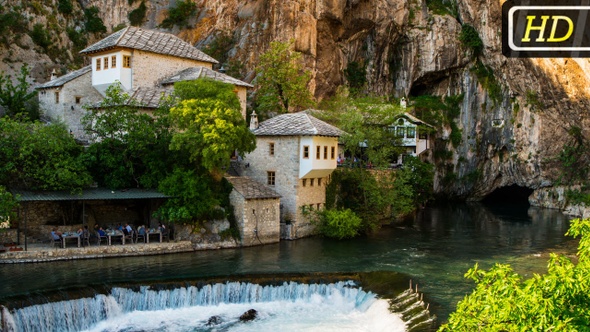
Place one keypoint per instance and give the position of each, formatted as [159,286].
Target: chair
[130,236]
[85,238]
[100,238]
[56,242]
[140,236]
[165,234]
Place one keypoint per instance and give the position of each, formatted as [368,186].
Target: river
[435,248]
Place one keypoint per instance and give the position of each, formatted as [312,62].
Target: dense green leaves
[180,14]
[16,99]
[38,156]
[555,301]
[470,39]
[281,81]
[338,224]
[8,205]
[93,23]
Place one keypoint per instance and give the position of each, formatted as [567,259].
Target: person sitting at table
[55,234]
[128,230]
[161,227]
[101,232]
[141,230]
[79,232]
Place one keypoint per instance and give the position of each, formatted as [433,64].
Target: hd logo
[546,29]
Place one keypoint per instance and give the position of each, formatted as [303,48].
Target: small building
[414,135]
[295,155]
[146,62]
[257,211]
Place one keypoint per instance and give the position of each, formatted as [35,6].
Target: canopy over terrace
[92,194]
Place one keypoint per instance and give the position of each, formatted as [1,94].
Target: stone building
[146,62]
[295,154]
[256,209]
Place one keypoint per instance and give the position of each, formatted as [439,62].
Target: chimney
[253,121]
[53,75]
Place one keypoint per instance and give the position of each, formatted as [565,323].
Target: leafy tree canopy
[338,224]
[210,127]
[555,301]
[17,99]
[282,81]
[39,156]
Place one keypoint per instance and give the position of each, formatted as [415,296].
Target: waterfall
[84,313]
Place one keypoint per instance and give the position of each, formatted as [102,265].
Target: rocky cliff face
[509,136]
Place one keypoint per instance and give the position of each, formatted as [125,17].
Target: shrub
[339,224]
[470,39]
[355,74]
[93,23]
[40,36]
[137,16]
[180,14]
[65,7]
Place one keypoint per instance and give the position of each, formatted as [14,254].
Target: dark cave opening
[513,194]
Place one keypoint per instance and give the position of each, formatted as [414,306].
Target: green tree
[180,14]
[7,206]
[281,81]
[132,148]
[555,301]
[39,156]
[17,99]
[209,126]
[93,23]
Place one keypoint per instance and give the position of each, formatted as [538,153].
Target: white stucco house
[413,135]
[146,62]
[295,154]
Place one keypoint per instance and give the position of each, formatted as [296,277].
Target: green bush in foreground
[555,301]
[339,224]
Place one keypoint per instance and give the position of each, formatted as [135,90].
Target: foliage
[356,76]
[413,185]
[210,124]
[555,301]
[93,23]
[11,21]
[281,81]
[180,14]
[365,122]
[17,100]
[131,148]
[65,7]
[470,38]
[219,47]
[137,16]
[338,224]
[485,76]
[532,99]
[8,204]
[574,158]
[38,156]
[40,36]
[442,7]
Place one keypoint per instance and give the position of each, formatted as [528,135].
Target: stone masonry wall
[312,196]
[67,110]
[258,219]
[285,164]
[150,68]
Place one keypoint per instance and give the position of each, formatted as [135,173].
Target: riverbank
[37,253]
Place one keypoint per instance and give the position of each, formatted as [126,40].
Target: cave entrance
[513,194]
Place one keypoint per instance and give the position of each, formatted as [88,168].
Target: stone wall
[67,110]
[150,68]
[312,196]
[285,164]
[258,219]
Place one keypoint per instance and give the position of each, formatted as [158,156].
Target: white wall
[103,78]
[313,167]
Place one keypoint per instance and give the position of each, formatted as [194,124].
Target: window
[106,62]
[333,153]
[305,151]
[78,99]
[317,152]
[318,205]
[57,97]
[400,131]
[311,182]
[126,61]
[98,64]
[270,177]
[411,132]
[304,182]
[271,149]
[325,152]
[114,61]
[319,182]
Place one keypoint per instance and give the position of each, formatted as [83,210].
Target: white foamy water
[287,307]
[325,314]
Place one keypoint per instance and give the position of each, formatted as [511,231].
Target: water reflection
[435,247]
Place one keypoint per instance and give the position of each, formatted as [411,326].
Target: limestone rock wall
[405,50]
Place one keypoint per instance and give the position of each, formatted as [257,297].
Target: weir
[86,312]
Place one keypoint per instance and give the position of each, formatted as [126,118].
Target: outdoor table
[147,235]
[64,237]
[111,235]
